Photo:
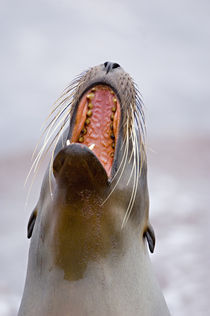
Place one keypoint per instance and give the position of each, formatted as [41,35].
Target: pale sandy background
[164,45]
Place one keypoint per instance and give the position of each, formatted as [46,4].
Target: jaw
[96,124]
[76,169]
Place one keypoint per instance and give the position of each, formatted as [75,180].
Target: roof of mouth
[97,123]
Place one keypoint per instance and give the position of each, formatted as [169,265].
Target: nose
[110,66]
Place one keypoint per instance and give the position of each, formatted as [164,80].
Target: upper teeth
[67,142]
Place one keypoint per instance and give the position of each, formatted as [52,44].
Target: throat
[82,234]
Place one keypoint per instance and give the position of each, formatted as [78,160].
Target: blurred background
[164,45]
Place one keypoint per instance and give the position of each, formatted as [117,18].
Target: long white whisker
[46,140]
[134,190]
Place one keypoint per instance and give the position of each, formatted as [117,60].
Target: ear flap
[150,236]
[31,223]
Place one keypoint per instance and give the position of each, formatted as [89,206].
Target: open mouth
[96,124]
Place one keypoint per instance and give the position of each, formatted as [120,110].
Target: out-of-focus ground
[179,190]
[165,47]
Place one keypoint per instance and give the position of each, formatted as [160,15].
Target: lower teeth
[91,146]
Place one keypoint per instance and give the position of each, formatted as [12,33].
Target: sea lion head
[94,197]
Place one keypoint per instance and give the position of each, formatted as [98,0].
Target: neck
[84,235]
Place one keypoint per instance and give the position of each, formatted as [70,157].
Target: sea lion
[88,254]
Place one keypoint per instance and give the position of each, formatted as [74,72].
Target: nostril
[110,66]
[115,65]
